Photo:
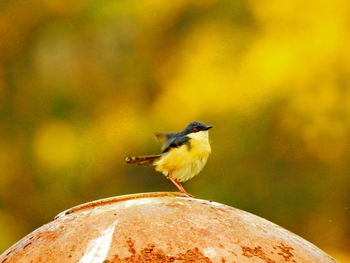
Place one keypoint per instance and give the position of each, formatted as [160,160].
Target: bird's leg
[179,186]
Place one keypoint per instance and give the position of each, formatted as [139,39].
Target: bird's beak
[208,127]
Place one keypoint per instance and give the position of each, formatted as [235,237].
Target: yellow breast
[184,162]
[200,143]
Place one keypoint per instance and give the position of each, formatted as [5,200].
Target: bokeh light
[84,84]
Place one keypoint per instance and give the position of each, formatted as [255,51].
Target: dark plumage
[174,142]
[143,160]
[176,139]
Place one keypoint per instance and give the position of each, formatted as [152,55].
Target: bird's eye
[196,129]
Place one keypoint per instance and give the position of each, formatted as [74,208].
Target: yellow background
[83,84]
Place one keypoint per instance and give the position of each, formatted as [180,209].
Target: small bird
[184,154]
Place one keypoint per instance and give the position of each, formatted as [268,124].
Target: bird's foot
[187,194]
[179,186]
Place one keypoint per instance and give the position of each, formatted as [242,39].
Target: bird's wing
[174,142]
[165,136]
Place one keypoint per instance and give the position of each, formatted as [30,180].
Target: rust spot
[194,255]
[130,244]
[152,254]
[47,235]
[27,245]
[286,252]
[223,260]
[256,252]
[7,255]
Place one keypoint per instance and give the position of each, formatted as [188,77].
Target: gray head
[196,126]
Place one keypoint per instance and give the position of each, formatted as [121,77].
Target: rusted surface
[152,254]
[286,252]
[161,227]
[256,252]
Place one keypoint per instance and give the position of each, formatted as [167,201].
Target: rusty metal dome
[161,227]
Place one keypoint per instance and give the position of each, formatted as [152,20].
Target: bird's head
[196,126]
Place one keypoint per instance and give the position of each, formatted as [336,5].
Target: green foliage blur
[83,84]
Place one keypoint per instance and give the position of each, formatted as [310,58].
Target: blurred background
[83,84]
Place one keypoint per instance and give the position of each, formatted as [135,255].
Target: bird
[183,154]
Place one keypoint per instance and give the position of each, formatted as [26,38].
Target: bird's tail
[143,160]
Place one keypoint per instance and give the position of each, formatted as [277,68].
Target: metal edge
[115,199]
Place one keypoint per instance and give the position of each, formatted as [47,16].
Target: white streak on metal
[209,252]
[97,249]
[137,202]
